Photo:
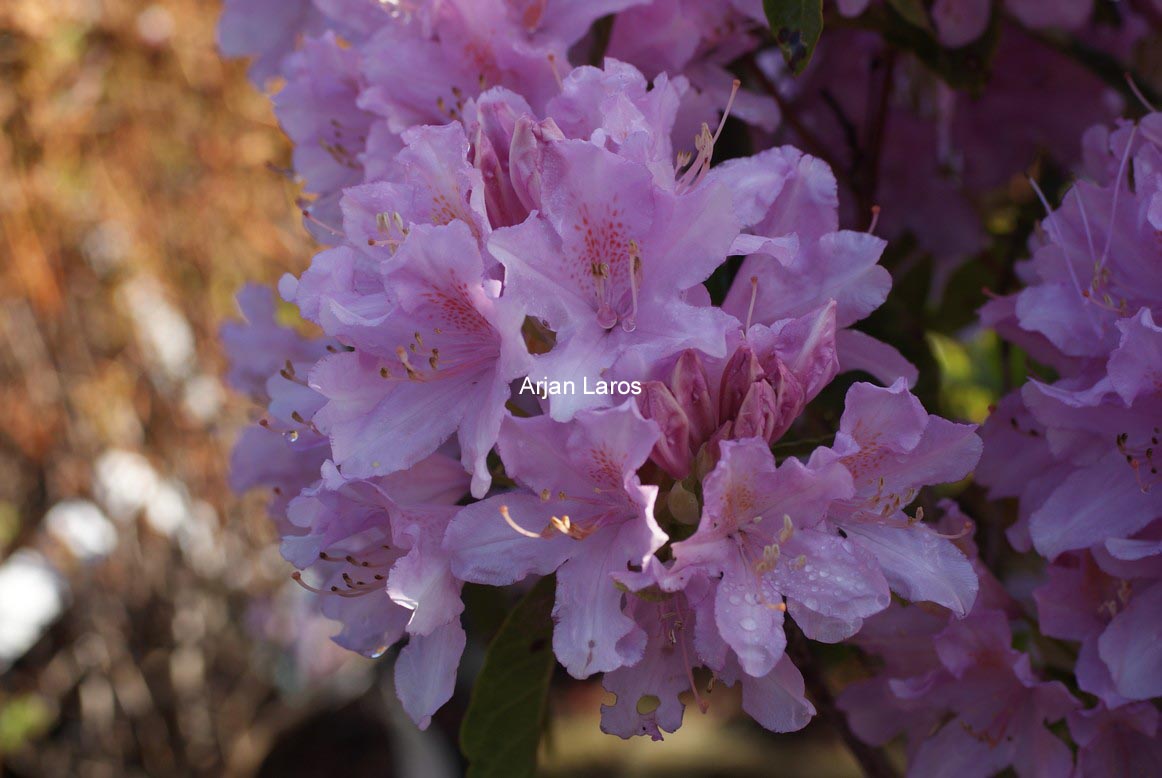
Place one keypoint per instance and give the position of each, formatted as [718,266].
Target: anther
[769,560]
[788,529]
[402,354]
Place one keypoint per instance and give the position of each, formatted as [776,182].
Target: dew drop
[748,624]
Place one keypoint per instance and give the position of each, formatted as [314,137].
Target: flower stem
[871,760]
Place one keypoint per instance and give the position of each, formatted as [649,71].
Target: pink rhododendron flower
[762,541]
[610,263]
[575,318]
[450,349]
[583,513]
[892,447]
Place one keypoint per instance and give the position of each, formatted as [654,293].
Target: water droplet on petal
[748,624]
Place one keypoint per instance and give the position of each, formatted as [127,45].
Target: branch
[871,760]
[1106,68]
[811,143]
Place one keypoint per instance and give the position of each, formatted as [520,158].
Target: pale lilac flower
[1089,310]
[266,30]
[371,551]
[613,265]
[582,512]
[283,451]
[615,107]
[696,38]
[270,30]
[969,703]
[1109,601]
[682,635]
[316,108]
[1107,431]
[431,180]
[797,258]
[424,70]
[454,348]
[999,707]
[1121,741]
[483,200]
[259,347]
[648,692]
[892,447]
[763,538]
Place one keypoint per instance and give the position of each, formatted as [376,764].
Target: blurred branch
[1112,72]
[871,760]
[868,177]
[812,144]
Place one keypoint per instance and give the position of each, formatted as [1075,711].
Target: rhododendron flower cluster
[527,192]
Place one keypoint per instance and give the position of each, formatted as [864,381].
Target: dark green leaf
[796,25]
[913,12]
[506,714]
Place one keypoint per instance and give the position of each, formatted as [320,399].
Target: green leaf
[506,714]
[913,12]
[796,25]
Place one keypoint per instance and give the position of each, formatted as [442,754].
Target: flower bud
[672,451]
[790,399]
[758,415]
[741,371]
[691,388]
[524,157]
